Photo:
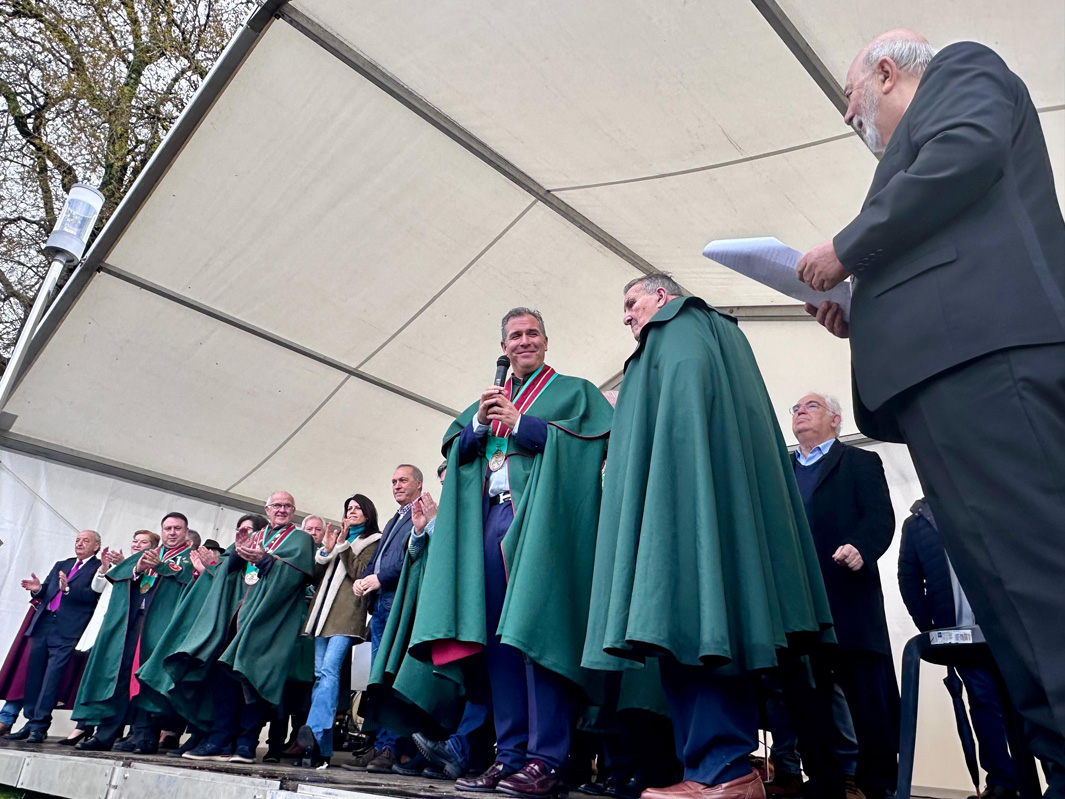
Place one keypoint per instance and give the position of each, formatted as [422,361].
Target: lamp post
[65,246]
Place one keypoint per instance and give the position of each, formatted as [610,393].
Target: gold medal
[251,578]
[495,463]
[145,587]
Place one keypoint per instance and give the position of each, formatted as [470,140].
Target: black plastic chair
[958,647]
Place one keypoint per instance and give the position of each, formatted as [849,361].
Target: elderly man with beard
[240,643]
[145,593]
[703,558]
[957,332]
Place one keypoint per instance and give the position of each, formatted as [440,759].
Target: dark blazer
[850,505]
[388,561]
[959,249]
[77,606]
[924,575]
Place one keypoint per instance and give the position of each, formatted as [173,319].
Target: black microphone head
[503,360]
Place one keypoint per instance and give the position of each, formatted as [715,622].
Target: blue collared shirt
[816,453]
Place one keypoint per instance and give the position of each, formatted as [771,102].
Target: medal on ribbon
[251,571]
[172,559]
[499,434]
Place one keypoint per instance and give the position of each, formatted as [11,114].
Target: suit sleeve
[389,571]
[961,125]
[531,433]
[872,535]
[50,584]
[912,579]
[469,444]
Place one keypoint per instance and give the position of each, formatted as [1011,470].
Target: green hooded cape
[252,630]
[548,550]
[406,696]
[703,550]
[98,684]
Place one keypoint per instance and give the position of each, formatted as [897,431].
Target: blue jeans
[989,724]
[329,654]
[9,712]
[386,739]
[846,743]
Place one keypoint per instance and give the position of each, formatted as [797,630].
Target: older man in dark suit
[957,335]
[67,602]
[847,504]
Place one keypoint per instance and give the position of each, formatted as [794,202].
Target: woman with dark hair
[337,619]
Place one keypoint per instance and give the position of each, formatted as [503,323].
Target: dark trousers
[988,441]
[872,691]
[989,724]
[532,707]
[120,708]
[234,719]
[715,721]
[49,655]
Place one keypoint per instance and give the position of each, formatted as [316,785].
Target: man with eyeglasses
[239,646]
[846,498]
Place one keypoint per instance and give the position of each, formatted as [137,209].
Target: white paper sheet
[773,264]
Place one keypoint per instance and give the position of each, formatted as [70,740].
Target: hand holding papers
[773,264]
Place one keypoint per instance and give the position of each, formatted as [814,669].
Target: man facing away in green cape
[145,593]
[507,578]
[703,557]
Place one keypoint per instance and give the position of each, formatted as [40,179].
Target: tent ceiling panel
[803,198]
[302,197]
[352,445]
[577,93]
[543,262]
[136,379]
[1028,35]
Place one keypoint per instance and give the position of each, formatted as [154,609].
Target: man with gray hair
[847,504]
[957,331]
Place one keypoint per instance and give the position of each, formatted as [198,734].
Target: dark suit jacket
[959,249]
[850,505]
[924,575]
[388,561]
[76,608]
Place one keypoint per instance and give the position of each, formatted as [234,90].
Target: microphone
[502,364]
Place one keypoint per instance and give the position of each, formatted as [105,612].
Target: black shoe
[77,739]
[624,789]
[592,788]
[208,751]
[172,741]
[243,754]
[188,746]
[93,745]
[439,754]
[20,735]
[272,756]
[145,749]
[434,773]
[36,737]
[413,767]
[124,745]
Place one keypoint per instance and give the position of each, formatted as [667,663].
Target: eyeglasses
[810,406]
[281,506]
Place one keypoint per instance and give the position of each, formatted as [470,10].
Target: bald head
[881,83]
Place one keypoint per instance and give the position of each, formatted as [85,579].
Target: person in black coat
[847,504]
[957,330]
[934,599]
[67,602]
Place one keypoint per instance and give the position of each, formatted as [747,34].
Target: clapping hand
[197,562]
[149,560]
[33,585]
[105,561]
[422,512]
[329,540]
[64,586]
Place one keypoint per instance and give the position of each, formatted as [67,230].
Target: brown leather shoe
[784,785]
[4,728]
[360,762]
[536,780]
[746,787]
[486,782]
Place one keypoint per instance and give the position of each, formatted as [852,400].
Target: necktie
[54,604]
[515,387]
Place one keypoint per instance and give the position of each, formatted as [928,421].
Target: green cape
[703,550]
[406,696]
[548,550]
[101,672]
[252,630]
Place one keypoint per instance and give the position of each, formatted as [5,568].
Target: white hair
[909,55]
[834,408]
[319,518]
